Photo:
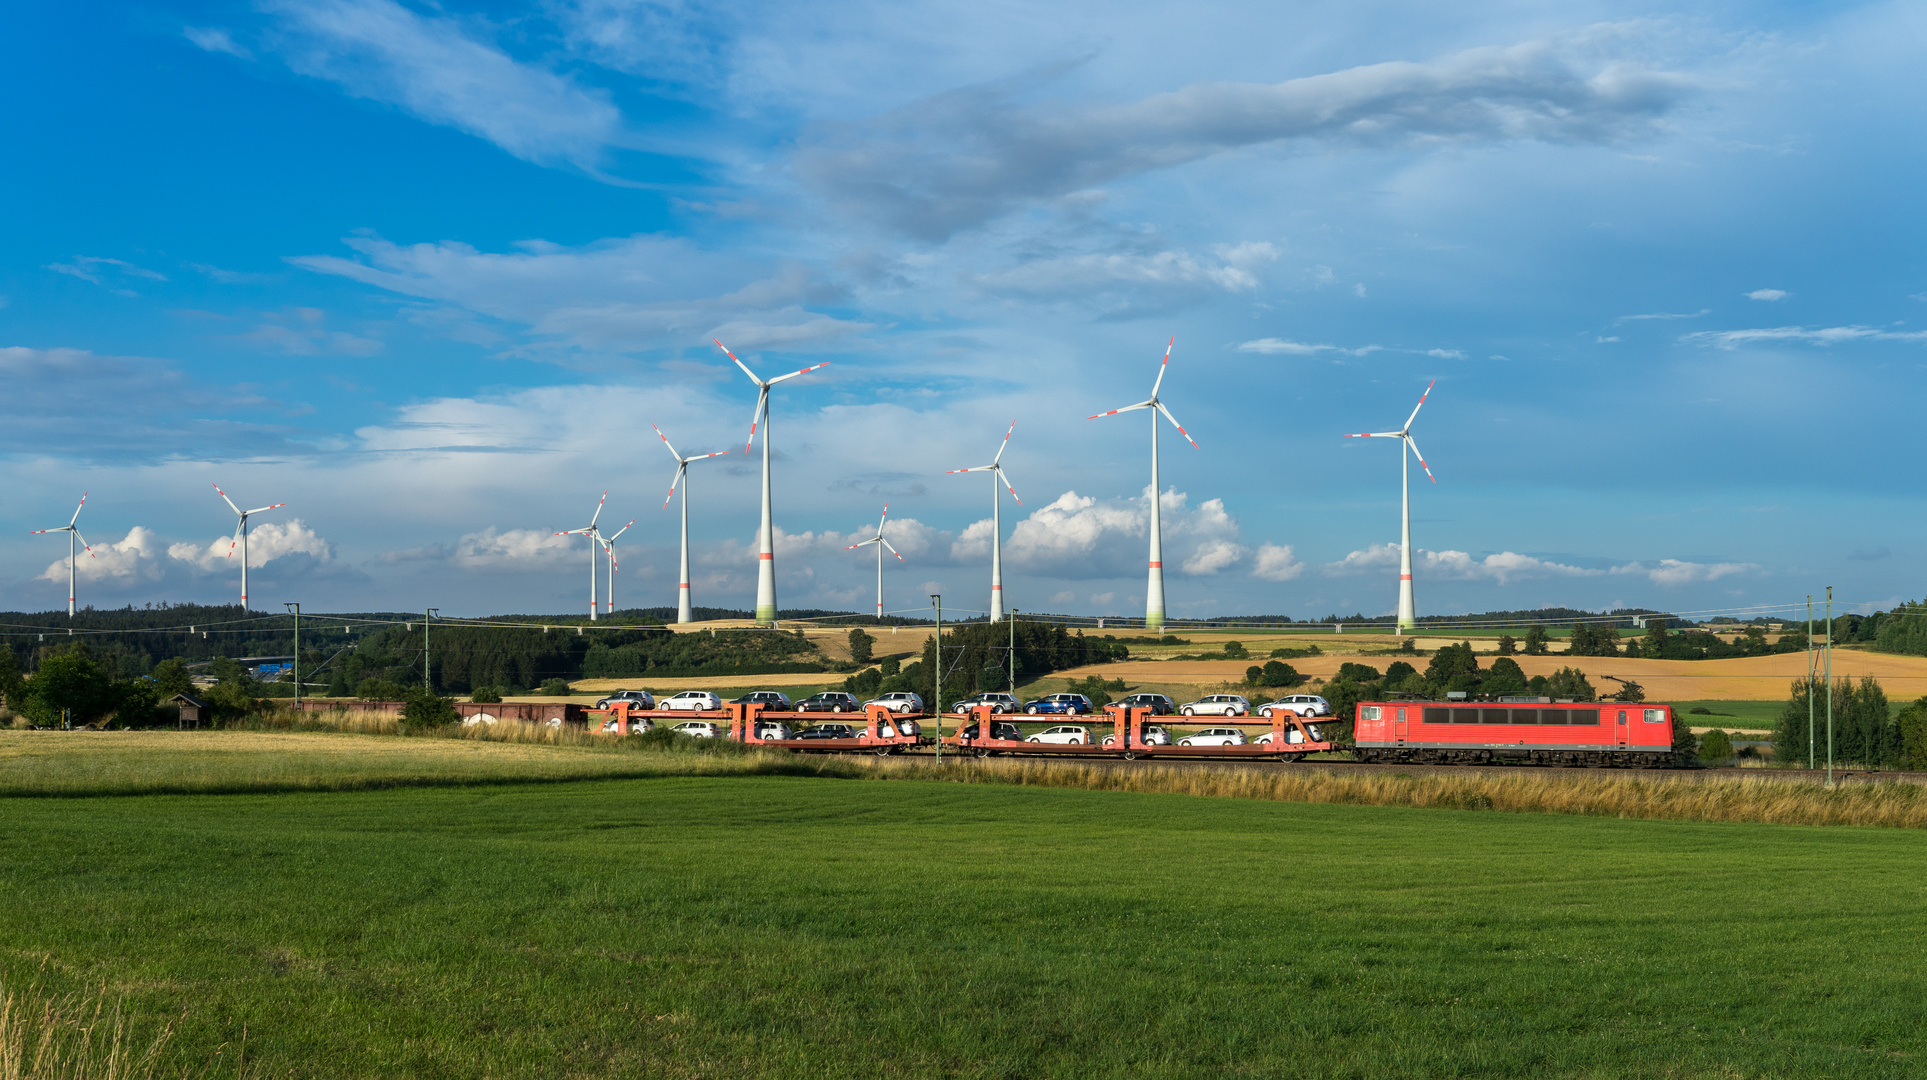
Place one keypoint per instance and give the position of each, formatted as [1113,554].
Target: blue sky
[427,273]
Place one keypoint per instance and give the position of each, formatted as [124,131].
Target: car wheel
[1032,710]
[1184,742]
[1076,742]
[1188,712]
[1034,739]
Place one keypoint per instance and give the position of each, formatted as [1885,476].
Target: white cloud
[1213,556]
[267,541]
[1767,294]
[436,70]
[215,39]
[514,549]
[1503,567]
[1675,572]
[1065,597]
[93,268]
[1831,335]
[1274,346]
[1663,315]
[1078,536]
[300,332]
[136,557]
[1446,354]
[1276,562]
[1234,270]
[967,156]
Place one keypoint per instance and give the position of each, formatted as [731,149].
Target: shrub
[1279,673]
[375,688]
[424,710]
[555,687]
[1715,745]
[487,695]
[1235,650]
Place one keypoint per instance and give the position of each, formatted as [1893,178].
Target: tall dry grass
[1896,805]
[47,1036]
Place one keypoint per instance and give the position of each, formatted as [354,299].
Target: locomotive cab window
[1655,716]
[1370,712]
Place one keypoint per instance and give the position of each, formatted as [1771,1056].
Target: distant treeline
[976,656]
[1864,731]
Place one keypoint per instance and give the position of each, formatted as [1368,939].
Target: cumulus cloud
[133,558]
[1675,572]
[514,549]
[1212,556]
[1077,536]
[438,71]
[1767,294]
[1830,335]
[960,158]
[1276,562]
[1503,567]
[267,541]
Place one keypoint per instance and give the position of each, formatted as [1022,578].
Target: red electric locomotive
[1539,731]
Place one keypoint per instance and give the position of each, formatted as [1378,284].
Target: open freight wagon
[1139,732]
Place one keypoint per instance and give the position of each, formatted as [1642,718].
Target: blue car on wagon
[1067,704]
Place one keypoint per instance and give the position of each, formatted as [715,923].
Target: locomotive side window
[1438,716]
[1495,716]
[1584,717]
[1655,716]
[1465,716]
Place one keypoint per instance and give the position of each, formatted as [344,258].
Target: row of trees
[1865,731]
[73,687]
[1658,643]
[977,657]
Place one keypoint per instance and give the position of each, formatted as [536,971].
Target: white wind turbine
[997,476]
[881,544]
[766,534]
[73,533]
[595,537]
[241,537]
[1154,590]
[1407,612]
[609,546]
[683,611]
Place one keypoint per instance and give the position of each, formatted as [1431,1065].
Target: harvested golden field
[1753,678]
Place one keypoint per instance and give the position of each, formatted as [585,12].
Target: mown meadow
[757,924]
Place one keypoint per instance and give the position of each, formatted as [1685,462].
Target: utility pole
[296,608]
[936,687]
[1013,652]
[428,614]
[1829,686]
[1810,705]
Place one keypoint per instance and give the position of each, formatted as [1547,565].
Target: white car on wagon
[1302,704]
[1218,705]
[1064,734]
[691,700]
[1214,736]
[701,729]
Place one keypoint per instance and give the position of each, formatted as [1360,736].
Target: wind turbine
[73,533]
[609,546]
[997,476]
[595,538]
[683,614]
[241,537]
[766,534]
[1407,613]
[1154,590]
[881,544]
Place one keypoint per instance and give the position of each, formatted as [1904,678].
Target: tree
[1254,676]
[1279,673]
[171,677]
[1399,671]
[1754,641]
[991,677]
[1630,691]
[379,689]
[1351,672]
[69,686]
[553,687]
[1505,677]
[860,645]
[891,666]
[1911,725]
[424,710]
[1507,645]
[1715,746]
[1536,641]
[1657,640]
[486,695]
[1569,682]
[12,687]
[1235,650]
[1454,668]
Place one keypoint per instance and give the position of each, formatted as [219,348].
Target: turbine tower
[881,544]
[1154,589]
[595,537]
[609,546]
[1407,613]
[241,537]
[997,476]
[683,614]
[73,533]
[766,534]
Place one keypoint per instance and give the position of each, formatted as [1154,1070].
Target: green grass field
[794,926]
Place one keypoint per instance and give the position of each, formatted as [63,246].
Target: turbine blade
[794,374]
[740,364]
[1378,435]
[598,510]
[880,521]
[718,453]
[231,544]
[665,442]
[1420,405]
[620,531]
[1125,409]
[276,506]
[84,543]
[1006,444]
[38,532]
[1162,368]
[1006,480]
[83,502]
[973,468]
[1175,424]
[756,417]
[1421,459]
[680,469]
[225,499]
[893,551]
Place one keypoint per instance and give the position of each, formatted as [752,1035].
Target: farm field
[764,926]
